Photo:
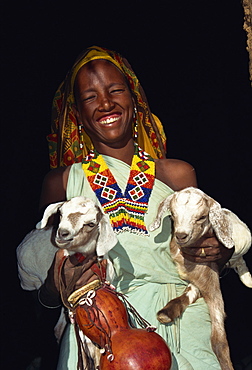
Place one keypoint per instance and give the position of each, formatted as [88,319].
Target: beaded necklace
[126,210]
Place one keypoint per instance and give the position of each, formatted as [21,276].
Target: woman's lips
[106,120]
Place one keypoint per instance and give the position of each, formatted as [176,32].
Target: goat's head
[83,227]
[194,213]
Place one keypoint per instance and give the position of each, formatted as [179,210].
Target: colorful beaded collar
[126,210]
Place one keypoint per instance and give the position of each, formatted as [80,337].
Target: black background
[191,59]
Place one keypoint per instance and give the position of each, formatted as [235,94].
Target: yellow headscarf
[69,143]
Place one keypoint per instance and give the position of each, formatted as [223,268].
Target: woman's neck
[124,153]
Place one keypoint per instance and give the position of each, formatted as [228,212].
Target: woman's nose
[106,104]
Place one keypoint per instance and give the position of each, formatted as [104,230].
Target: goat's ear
[50,210]
[221,224]
[107,238]
[163,207]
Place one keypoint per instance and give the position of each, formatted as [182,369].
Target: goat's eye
[202,218]
[91,224]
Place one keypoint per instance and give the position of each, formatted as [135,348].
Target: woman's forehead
[100,66]
[99,70]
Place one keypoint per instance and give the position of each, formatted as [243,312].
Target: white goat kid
[82,228]
[86,227]
[194,214]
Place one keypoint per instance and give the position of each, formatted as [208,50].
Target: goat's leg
[89,352]
[177,306]
[210,291]
[218,336]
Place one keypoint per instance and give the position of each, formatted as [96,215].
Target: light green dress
[148,277]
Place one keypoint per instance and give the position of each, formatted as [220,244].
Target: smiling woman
[104,105]
[109,147]
[68,142]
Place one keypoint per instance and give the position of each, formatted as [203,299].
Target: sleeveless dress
[148,277]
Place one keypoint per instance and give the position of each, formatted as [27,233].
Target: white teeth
[109,120]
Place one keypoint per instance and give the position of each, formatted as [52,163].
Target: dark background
[191,59]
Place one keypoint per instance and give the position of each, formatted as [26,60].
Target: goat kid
[83,228]
[195,214]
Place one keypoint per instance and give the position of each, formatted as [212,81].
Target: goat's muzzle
[63,236]
[181,238]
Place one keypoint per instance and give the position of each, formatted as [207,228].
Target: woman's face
[104,104]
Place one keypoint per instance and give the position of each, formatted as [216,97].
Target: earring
[135,123]
[80,127]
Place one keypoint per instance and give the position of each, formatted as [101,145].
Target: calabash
[105,321]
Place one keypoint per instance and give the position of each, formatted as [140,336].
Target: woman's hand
[67,274]
[208,249]
[49,292]
[79,271]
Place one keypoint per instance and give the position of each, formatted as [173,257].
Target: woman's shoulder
[58,176]
[175,173]
[54,186]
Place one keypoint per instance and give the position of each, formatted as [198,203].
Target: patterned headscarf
[69,143]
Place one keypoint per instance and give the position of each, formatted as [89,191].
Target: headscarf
[69,143]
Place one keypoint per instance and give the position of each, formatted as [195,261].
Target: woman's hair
[69,143]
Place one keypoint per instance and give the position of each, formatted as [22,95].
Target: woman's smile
[109,119]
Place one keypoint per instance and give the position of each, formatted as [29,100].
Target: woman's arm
[175,173]
[54,187]
[53,190]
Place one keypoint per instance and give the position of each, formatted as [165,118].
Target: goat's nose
[181,236]
[63,233]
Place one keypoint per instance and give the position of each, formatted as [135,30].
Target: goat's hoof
[163,318]
[171,311]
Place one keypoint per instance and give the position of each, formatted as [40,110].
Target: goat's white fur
[83,228]
[187,206]
[194,214]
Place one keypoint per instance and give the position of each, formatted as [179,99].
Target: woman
[102,108]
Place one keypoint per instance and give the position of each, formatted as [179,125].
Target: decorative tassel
[80,127]
[135,124]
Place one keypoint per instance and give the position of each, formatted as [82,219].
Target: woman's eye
[88,98]
[117,91]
